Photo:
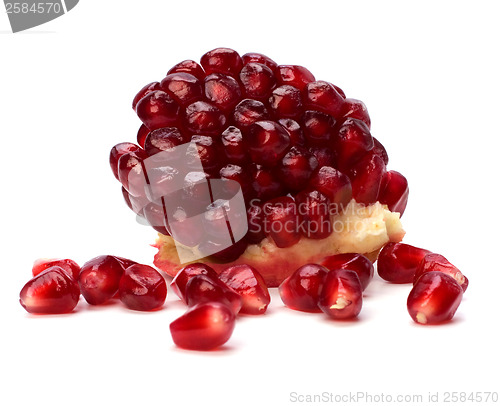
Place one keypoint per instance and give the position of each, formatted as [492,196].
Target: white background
[428,73]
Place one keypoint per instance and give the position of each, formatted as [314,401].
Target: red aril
[268,142]
[322,96]
[180,280]
[68,265]
[296,168]
[188,66]
[257,80]
[265,183]
[398,262]
[142,288]
[222,60]
[116,153]
[334,185]
[353,142]
[354,262]
[394,192]
[202,118]
[234,146]
[342,295]
[52,291]
[380,150]
[99,279]
[294,131]
[352,108]
[183,87]
[285,101]
[249,111]
[222,90]
[434,299]
[314,214]
[319,127]
[142,133]
[281,221]
[158,109]
[294,75]
[259,58]
[150,87]
[435,262]
[366,178]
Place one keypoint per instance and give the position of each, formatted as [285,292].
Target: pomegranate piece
[99,279]
[314,214]
[142,288]
[185,228]
[353,142]
[237,174]
[125,262]
[221,253]
[150,87]
[265,183]
[222,90]
[354,262]
[334,185]
[438,263]
[318,127]
[180,281]
[255,217]
[296,168]
[324,155]
[294,131]
[68,265]
[352,108]
[158,109]
[339,91]
[188,66]
[300,291]
[342,295]
[203,327]
[249,111]
[156,217]
[183,87]
[206,150]
[258,81]
[366,178]
[259,58]
[234,146]
[394,192]
[117,152]
[142,133]
[203,118]
[294,75]
[379,150]
[434,298]
[163,139]
[250,285]
[285,101]
[398,262]
[222,60]
[52,291]
[281,220]
[131,172]
[267,142]
[322,96]
[202,289]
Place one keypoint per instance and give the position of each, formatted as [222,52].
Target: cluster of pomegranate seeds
[288,139]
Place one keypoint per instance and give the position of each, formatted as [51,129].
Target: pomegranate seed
[334,185]
[296,168]
[67,265]
[394,192]
[379,150]
[180,280]
[125,262]
[222,60]
[259,58]
[203,327]
[285,101]
[267,142]
[250,285]
[366,178]
[203,118]
[353,142]
[314,214]
[195,191]
[188,66]
[258,81]
[158,109]
[206,150]
[318,127]
[255,216]
[99,279]
[52,291]
[339,91]
[352,108]
[131,172]
[202,289]
[156,217]
[437,263]
[128,201]
[324,155]
[150,87]
[249,111]
[183,87]
[266,184]
[215,220]
[294,131]
[163,139]
[116,153]
[142,288]
[221,253]
[281,218]
[142,133]
[354,262]
[322,96]
[434,299]
[237,174]
[185,228]
[222,90]
[342,295]
[300,291]
[234,146]
[163,181]
[294,75]
[398,262]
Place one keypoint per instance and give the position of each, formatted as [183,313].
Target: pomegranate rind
[359,229]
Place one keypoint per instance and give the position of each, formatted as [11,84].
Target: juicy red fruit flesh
[434,299]
[435,262]
[116,153]
[300,291]
[250,285]
[52,291]
[398,262]
[203,327]
[394,192]
[99,279]
[142,288]
[68,265]
[354,262]
[267,142]
[342,295]
[281,221]
[158,109]
[180,281]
